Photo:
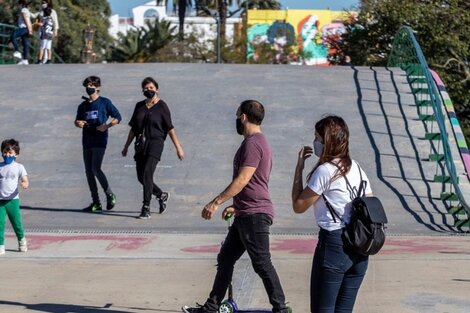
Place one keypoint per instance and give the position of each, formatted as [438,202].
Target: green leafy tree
[442,29]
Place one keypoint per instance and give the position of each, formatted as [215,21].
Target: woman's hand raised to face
[304,153]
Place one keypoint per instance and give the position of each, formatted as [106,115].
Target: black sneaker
[110,201]
[93,207]
[198,309]
[48,62]
[145,213]
[163,200]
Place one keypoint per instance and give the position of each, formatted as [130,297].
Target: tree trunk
[223,18]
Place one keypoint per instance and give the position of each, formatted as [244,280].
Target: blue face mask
[8,159]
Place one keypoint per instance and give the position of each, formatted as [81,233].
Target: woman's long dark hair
[335,134]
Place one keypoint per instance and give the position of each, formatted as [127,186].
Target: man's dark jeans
[337,275]
[251,234]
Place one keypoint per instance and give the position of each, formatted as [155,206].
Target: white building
[203,26]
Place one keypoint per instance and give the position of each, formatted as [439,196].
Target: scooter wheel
[226,307]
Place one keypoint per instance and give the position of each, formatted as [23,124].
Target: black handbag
[139,144]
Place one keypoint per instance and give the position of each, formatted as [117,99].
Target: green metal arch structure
[406,53]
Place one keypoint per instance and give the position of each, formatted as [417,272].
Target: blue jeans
[93,158]
[248,233]
[24,35]
[337,275]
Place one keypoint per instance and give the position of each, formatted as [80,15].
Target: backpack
[365,232]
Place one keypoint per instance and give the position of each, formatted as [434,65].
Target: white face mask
[44,5]
[317,148]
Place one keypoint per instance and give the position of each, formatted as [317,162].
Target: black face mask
[240,127]
[90,90]
[149,94]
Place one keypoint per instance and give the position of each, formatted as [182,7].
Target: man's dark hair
[254,111]
[24,3]
[11,144]
[149,80]
[94,80]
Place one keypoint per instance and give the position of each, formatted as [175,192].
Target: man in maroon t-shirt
[253,212]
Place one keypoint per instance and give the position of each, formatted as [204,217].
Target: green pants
[12,209]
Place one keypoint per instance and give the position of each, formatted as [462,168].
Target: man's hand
[209,210]
[228,212]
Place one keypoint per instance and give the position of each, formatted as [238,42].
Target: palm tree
[261,5]
[142,44]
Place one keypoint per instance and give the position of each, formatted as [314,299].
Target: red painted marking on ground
[417,245]
[116,242]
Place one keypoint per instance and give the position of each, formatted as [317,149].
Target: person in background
[39,23]
[337,272]
[93,116]
[12,173]
[150,124]
[24,30]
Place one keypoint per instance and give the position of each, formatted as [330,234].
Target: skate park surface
[113,262]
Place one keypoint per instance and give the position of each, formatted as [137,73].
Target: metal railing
[407,54]
[6,56]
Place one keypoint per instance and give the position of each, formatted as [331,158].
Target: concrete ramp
[38,106]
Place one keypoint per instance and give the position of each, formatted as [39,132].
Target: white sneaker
[2,250]
[23,62]
[17,55]
[22,246]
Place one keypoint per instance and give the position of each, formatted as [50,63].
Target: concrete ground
[112,262]
[94,273]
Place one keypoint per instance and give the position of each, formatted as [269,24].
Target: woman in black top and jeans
[150,124]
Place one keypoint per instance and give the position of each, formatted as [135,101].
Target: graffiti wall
[293,36]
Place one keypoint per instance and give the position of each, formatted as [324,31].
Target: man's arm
[231,191]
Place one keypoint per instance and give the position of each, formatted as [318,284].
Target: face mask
[317,148]
[8,159]
[149,94]
[240,127]
[90,90]
[44,5]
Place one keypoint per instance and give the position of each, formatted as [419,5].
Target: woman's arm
[176,142]
[130,137]
[302,198]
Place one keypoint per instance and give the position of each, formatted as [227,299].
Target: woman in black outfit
[150,124]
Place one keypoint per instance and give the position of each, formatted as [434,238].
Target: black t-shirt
[154,123]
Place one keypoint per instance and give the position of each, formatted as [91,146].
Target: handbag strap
[353,191]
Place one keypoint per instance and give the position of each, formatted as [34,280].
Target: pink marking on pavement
[36,242]
[415,245]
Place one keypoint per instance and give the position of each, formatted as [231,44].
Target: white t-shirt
[336,192]
[10,176]
[21,19]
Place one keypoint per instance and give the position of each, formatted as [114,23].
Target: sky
[123,7]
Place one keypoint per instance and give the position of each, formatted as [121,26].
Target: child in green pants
[11,173]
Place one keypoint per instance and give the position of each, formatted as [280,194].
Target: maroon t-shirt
[255,151]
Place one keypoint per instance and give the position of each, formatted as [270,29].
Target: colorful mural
[294,36]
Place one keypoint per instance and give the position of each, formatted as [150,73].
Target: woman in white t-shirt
[337,273]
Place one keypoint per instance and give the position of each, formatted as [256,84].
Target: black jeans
[337,274]
[146,166]
[93,158]
[251,234]
[24,35]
